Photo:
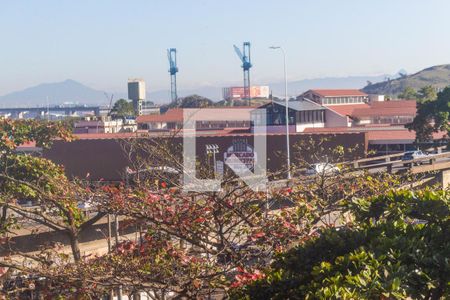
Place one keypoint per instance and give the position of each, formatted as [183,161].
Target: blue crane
[244,56]
[173,70]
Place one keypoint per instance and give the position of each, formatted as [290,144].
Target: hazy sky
[103,42]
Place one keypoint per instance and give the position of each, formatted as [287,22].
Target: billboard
[238,92]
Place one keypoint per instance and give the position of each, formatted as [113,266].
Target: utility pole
[288,151]
[109,233]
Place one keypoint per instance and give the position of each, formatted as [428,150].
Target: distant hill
[76,92]
[437,76]
[56,93]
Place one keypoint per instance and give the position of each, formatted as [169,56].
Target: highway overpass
[67,110]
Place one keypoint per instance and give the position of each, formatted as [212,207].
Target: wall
[302,126]
[105,158]
[333,119]
[279,129]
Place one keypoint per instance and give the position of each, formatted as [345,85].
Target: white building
[104,125]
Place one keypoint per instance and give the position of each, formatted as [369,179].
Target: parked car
[411,155]
[322,168]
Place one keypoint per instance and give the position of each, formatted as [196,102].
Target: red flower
[200,220]
[257,235]
[246,277]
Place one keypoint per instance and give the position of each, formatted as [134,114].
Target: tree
[427,93]
[432,116]
[397,247]
[408,93]
[220,232]
[192,101]
[55,200]
[188,244]
[122,108]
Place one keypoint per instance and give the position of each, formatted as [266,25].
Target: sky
[102,43]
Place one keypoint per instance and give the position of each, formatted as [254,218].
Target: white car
[411,155]
[322,169]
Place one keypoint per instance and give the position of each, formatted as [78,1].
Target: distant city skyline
[103,43]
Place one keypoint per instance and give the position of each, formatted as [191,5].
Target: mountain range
[71,91]
[436,76]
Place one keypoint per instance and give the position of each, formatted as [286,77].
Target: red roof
[388,108]
[176,114]
[377,135]
[338,93]
[95,136]
[172,115]
[347,109]
[381,108]
[391,135]
[394,103]
[27,145]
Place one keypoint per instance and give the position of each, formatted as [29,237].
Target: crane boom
[110,102]
[239,53]
[244,56]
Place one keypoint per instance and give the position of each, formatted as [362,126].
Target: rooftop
[394,103]
[388,108]
[377,134]
[347,109]
[209,133]
[172,115]
[338,93]
[405,135]
[381,108]
[203,114]
[300,105]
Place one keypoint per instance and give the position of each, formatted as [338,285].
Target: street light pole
[213,149]
[286,99]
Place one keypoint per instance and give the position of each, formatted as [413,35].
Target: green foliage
[19,172]
[427,93]
[397,247]
[432,116]
[193,101]
[28,175]
[122,108]
[408,93]
[14,133]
